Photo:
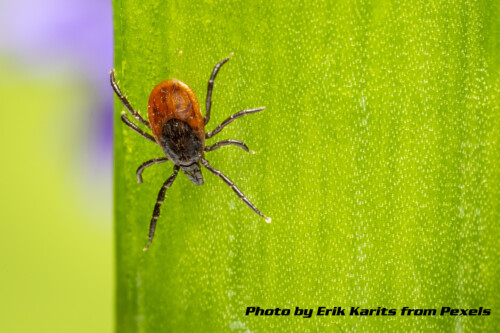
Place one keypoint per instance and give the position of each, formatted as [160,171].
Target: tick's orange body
[173,99]
[178,126]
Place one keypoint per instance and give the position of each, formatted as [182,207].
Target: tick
[178,127]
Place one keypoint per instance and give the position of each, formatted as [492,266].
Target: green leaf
[377,159]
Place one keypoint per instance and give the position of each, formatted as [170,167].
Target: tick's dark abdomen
[180,143]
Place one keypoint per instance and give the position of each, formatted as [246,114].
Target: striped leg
[159,201]
[146,164]
[231,119]
[208,100]
[136,129]
[124,100]
[227,143]
[235,188]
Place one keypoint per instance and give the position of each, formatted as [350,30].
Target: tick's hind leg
[235,188]
[231,119]
[159,201]
[135,128]
[146,164]
[124,100]
[227,143]
[208,100]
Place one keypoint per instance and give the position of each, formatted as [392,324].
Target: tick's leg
[135,128]
[227,143]
[230,120]
[234,187]
[159,201]
[147,164]
[124,100]
[208,100]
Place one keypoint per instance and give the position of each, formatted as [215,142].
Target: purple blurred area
[52,31]
[73,38]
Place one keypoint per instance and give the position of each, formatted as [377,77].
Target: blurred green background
[55,179]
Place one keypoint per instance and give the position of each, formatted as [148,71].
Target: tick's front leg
[210,88]
[125,101]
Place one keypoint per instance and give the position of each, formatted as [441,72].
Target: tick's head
[193,172]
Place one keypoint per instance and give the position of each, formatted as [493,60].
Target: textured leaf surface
[377,158]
